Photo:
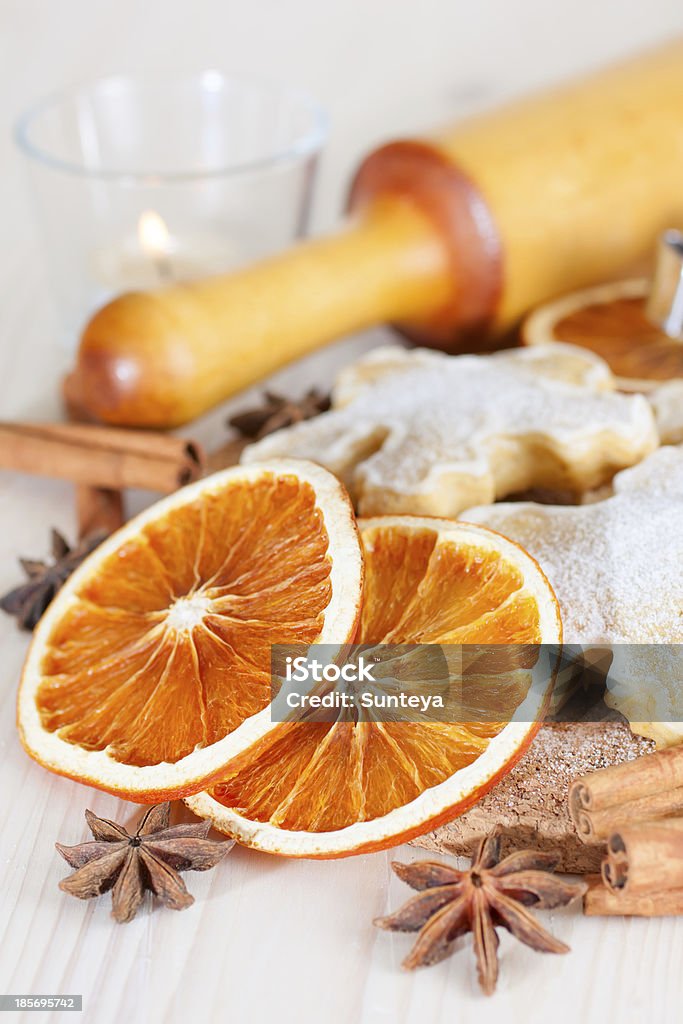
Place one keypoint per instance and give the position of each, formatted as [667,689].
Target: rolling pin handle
[420,174]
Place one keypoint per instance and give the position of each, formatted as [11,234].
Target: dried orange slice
[610,321]
[335,789]
[152,666]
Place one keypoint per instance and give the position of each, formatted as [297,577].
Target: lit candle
[156,242]
[153,254]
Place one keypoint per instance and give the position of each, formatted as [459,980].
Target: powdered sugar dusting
[617,565]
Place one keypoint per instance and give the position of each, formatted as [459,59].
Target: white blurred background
[381,67]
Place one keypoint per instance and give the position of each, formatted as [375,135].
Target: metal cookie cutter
[665,304]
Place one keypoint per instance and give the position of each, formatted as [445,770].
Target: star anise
[491,893]
[29,600]
[277,411]
[149,859]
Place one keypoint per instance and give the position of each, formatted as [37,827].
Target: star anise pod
[490,894]
[29,600]
[277,411]
[149,859]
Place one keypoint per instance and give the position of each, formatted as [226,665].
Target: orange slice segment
[152,666]
[346,787]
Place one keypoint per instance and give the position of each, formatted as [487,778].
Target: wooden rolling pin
[452,238]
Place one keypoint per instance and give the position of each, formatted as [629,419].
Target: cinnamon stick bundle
[104,457]
[648,788]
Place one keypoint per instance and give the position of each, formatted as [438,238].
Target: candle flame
[153,235]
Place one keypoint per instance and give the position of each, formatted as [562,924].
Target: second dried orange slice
[331,789]
[151,668]
[611,321]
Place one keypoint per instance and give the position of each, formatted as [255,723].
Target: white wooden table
[270,939]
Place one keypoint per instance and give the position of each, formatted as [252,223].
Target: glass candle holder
[143,180]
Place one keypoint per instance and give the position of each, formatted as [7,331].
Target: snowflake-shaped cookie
[617,569]
[426,433]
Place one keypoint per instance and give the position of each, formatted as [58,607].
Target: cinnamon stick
[98,509]
[645,858]
[599,901]
[102,456]
[649,787]
[594,825]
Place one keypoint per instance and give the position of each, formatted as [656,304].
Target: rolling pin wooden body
[452,238]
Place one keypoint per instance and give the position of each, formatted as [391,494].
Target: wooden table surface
[270,939]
